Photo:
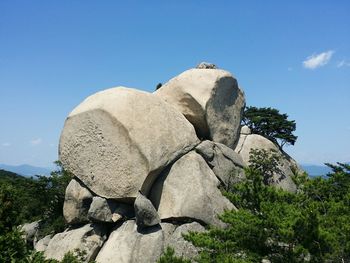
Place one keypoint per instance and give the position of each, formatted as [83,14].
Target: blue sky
[291,55]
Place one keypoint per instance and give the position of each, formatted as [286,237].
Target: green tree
[271,124]
[169,257]
[311,225]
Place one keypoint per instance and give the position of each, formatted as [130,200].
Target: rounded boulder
[118,140]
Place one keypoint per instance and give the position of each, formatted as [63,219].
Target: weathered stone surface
[103,210]
[254,141]
[118,140]
[42,244]
[76,203]
[211,100]
[127,245]
[206,65]
[245,130]
[146,214]
[182,247]
[226,164]
[188,189]
[29,231]
[168,230]
[88,239]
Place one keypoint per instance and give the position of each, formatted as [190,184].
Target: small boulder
[118,140]
[188,189]
[87,239]
[206,65]
[29,231]
[103,210]
[42,244]
[146,214]
[245,130]
[226,164]
[76,203]
[210,99]
[127,245]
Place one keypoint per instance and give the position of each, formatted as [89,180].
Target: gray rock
[103,210]
[127,245]
[88,239]
[206,65]
[146,214]
[211,100]
[42,244]
[118,140]
[29,231]
[182,247]
[226,164]
[254,141]
[76,203]
[188,189]
[168,230]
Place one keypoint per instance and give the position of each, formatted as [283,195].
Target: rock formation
[210,99]
[142,177]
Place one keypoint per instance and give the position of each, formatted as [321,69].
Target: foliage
[169,257]
[271,124]
[26,200]
[12,246]
[53,190]
[311,225]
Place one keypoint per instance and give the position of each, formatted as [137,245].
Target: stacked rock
[147,166]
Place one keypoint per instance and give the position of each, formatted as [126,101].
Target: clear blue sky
[291,55]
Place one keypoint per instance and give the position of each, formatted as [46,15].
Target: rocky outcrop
[226,164]
[283,179]
[143,179]
[126,244]
[188,189]
[87,239]
[210,99]
[118,140]
[76,203]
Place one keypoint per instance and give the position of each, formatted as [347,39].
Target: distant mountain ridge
[29,170]
[26,169]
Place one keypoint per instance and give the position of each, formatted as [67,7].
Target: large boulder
[118,140]
[103,210]
[76,203]
[210,99]
[127,245]
[87,239]
[188,189]
[182,247]
[146,214]
[283,179]
[226,164]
